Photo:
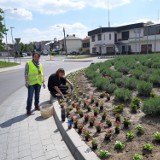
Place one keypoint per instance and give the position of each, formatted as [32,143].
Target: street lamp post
[101,39]
[65,43]
[6,30]
[12,40]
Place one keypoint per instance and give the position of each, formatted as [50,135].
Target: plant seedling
[104,154]
[118,109]
[156,136]
[130,135]
[126,122]
[134,108]
[94,144]
[140,129]
[148,147]
[119,145]
[138,157]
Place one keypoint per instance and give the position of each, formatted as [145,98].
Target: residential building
[133,38]
[86,45]
[73,44]
[40,46]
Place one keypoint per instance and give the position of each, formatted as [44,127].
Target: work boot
[28,113]
[37,108]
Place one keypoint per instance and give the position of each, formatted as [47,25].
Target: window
[144,48]
[94,50]
[99,37]
[110,36]
[93,38]
[86,45]
[125,35]
[151,30]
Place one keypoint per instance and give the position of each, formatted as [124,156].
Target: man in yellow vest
[34,80]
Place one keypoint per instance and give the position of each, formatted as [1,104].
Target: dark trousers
[31,90]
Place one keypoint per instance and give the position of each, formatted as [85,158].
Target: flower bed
[112,123]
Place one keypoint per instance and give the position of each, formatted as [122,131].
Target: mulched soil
[151,125]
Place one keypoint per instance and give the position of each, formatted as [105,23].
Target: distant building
[73,43]
[40,46]
[86,45]
[133,38]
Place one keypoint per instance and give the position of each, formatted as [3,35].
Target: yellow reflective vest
[35,76]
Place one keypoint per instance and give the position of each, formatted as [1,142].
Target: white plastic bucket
[46,110]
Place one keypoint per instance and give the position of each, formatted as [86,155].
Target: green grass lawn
[79,57]
[7,64]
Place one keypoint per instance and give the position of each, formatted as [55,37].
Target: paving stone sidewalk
[29,138]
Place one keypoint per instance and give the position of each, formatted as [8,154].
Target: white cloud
[58,6]
[55,31]
[20,14]
[107,3]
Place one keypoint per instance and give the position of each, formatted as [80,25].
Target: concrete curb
[79,149]
[77,60]
[6,69]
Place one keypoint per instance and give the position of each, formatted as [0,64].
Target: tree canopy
[2,30]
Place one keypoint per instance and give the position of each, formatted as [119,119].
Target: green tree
[30,47]
[22,47]
[150,23]
[2,30]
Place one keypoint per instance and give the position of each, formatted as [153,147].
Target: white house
[73,43]
[133,38]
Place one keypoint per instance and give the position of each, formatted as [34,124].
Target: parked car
[29,53]
[74,52]
[24,55]
[44,52]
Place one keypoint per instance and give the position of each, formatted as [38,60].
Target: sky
[38,20]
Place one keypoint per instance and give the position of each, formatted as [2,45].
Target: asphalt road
[11,81]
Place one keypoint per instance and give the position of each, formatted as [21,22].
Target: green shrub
[155,79]
[144,88]
[120,82]
[123,95]
[152,106]
[124,70]
[115,75]
[144,77]
[137,73]
[111,88]
[130,83]
[101,83]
